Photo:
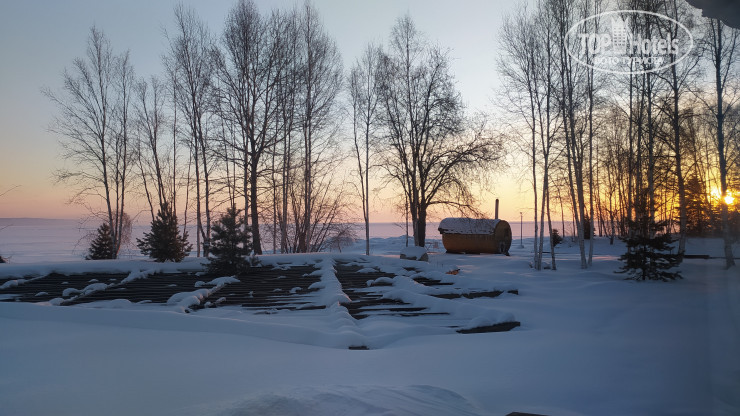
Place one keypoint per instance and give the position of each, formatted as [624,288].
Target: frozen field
[590,343]
[30,240]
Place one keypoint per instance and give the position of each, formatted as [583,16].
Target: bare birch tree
[573,94]
[286,126]
[363,95]
[249,70]
[155,155]
[722,45]
[320,82]
[190,64]
[528,69]
[94,121]
[679,77]
[428,151]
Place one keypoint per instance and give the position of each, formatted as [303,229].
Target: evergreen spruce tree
[164,242]
[555,237]
[649,258]
[101,246]
[698,218]
[230,244]
[586,228]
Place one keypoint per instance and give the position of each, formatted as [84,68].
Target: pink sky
[40,39]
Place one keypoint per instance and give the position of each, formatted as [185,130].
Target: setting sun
[729,199]
[716,194]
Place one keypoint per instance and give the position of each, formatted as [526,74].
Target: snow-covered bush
[415,253]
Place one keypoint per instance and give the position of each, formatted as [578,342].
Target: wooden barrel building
[472,235]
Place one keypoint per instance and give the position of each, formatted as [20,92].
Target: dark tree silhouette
[230,244]
[555,237]
[102,246]
[649,254]
[164,242]
[426,148]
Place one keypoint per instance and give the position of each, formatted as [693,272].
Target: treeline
[641,155]
[264,117]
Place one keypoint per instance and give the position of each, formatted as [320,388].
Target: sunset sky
[41,38]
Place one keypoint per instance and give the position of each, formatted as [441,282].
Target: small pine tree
[587,228]
[649,258]
[101,246]
[164,242]
[698,216]
[555,237]
[230,244]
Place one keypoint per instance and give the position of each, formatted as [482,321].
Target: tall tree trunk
[679,167]
[549,227]
[537,248]
[541,239]
[207,197]
[366,202]
[590,144]
[421,227]
[256,240]
[274,200]
[286,183]
[198,216]
[651,155]
[719,85]
[174,155]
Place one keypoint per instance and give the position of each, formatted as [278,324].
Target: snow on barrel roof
[467,226]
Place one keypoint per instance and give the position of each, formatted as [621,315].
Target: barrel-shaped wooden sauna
[473,235]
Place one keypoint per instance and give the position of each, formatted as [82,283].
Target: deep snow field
[590,343]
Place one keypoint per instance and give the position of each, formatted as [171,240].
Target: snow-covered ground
[590,343]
